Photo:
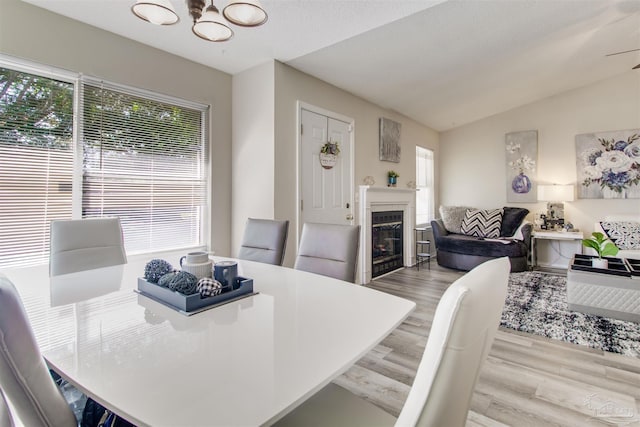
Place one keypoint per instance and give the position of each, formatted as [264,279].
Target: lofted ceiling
[441,63]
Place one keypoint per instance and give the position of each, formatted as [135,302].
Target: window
[36,163]
[424,183]
[144,161]
[137,155]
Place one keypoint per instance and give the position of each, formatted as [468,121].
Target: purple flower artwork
[608,165]
[522,154]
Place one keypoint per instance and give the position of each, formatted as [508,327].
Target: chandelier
[208,23]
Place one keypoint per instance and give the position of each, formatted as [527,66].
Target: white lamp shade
[211,26]
[246,13]
[555,193]
[159,12]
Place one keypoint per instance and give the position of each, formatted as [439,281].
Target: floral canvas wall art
[608,164]
[521,158]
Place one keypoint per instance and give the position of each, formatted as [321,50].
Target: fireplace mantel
[377,199]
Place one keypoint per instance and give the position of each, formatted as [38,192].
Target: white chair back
[462,332]
[24,377]
[85,244]
[329,249]
[5,415]
[264,241]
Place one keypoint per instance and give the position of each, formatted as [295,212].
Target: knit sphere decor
[166,279]
[155,269]
[208,287]
[184,283]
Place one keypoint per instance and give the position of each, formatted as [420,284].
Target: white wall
[293,86]
[61,42]
[253,148]
[472,157]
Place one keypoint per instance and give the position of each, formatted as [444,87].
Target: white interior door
[326,194]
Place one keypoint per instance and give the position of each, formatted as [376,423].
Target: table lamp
[555,196]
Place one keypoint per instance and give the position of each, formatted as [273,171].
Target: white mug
[197,263]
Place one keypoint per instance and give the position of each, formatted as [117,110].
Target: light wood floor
[527,380]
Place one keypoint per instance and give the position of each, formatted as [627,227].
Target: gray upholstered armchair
[464,252]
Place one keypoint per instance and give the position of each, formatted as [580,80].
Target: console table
[563,246]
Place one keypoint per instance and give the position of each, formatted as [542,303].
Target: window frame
[78,80]
[430,180]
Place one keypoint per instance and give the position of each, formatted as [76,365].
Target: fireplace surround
[380,199]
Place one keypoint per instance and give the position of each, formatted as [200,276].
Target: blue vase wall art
[521,184]
[521,165]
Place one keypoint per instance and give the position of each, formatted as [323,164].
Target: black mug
[226,272]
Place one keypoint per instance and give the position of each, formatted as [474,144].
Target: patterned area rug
[537,303]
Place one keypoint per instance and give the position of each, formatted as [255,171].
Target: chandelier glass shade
[211,26]
[208,24]
[246,13]
[159,12]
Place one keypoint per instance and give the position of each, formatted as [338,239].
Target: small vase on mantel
[599,263]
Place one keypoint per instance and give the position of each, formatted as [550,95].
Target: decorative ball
[208,287]
[155,269]
[183,282]
[166,279]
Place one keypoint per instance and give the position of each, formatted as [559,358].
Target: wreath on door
[329,154]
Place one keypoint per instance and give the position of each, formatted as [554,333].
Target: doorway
[325,193]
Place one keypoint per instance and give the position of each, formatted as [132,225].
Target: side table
[564,244]
[421,245]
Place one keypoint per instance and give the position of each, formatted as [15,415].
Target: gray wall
[54,40]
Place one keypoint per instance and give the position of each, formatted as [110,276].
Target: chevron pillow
[482,223]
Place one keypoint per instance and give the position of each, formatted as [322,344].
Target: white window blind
[36,163]
[144,160]
[425,183]
[133,154]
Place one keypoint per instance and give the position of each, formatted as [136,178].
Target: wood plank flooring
[527,380]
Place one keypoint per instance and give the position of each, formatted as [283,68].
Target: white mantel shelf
[378,199]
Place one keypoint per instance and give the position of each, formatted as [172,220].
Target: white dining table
[245,363]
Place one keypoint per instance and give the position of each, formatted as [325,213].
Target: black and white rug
[537,303]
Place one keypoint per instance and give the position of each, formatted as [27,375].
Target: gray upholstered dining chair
[24,377]
[461,335]
[85,244]
[329,249]
[264,241]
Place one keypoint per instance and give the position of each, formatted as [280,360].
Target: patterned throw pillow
[625,234]
[482,223]
[452,217]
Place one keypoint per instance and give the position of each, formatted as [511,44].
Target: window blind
[36,163]
[144,160]
[424,182]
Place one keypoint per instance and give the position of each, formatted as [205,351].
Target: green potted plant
[602,246]
[393,178]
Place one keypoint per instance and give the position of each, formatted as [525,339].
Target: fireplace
[385,199]
[386,242]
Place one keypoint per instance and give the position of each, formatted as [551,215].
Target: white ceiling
[443,64]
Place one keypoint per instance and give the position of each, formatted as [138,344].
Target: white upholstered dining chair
[462,332]
[264,241]
[329,249]
[85,244]
[5,416]
[24,377]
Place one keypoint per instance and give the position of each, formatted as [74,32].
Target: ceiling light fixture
[208,25]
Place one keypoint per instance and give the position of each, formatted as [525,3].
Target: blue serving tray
[192,304]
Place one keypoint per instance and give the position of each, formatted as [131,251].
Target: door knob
[349,217]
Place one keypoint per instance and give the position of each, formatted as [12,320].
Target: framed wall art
[389,140]
[521,158]
[608,165]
